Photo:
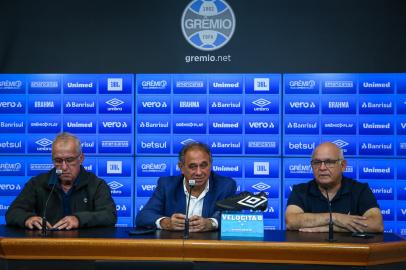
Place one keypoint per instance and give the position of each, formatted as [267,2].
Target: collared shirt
[352,198]
[195,206]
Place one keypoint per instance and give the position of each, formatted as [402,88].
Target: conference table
[114,248]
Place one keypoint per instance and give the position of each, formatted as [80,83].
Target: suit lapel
[209,198]
[180,196]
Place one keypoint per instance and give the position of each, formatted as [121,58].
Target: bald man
[353,204]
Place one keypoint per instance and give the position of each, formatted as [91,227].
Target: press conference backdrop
[261,128]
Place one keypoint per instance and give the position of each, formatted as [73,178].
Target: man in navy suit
[165,209]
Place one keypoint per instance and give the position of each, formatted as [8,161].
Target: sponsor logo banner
[79,84]
[348,144]
[376,146]
[376,104]
[374,126]
[180,141]
[154,144]
[401,213]
[401,145]
[116,84]
[120,187]
[401,104]
[383,190]
[220,104]
[272,212]
[88,143]
[154,124]
[231,167]
[38,144]
[262,168]
[38,165]
[12,84]
[226,84]
[269,186]
[122,124]
[12,124]
[189,125]
[262,83]
[115,144]
[12,166]
[339,125]
[44,84]
[154,84]
[226,144]
[41,124]
[115,167]
[262,125]
[376,169]
[301,84]
[387,210]
[11,104]
[123,206]
[301,125]
[189,84]
[5,204]
[338,104]
[90,164]
[146,186]
[225,125]
[79,104]
[303,145]
[11,186]
[262,104]
[401,125]
[401,83]
[298,168]
[196,104]
[50,104]
[401,190]
[156,104]
[12,144]
[153,167]
[339,84]
[115,104]
[268,145]
[376,84]
[80,124]
[306,104]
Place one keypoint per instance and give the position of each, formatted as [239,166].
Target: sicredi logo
[208,25]
[261,84]
[114,84]
[114,167]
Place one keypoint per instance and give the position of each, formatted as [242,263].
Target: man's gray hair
[199,145]
[66,136]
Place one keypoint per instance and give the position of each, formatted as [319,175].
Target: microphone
[330,223]
[191,183]
[54,178]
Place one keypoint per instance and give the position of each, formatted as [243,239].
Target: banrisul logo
[208,24]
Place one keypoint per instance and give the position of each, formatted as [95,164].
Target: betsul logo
[208,24]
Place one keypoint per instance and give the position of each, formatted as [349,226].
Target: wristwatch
[213,223]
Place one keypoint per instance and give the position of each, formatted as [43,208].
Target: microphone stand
[54,176]
[186,231]
[330,223]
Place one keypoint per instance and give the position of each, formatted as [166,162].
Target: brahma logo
[208,24]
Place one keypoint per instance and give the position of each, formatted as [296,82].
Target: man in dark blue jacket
[167,206]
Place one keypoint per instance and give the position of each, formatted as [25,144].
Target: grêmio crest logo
[208,24]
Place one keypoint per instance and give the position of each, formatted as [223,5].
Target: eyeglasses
[329,163]
[68,160]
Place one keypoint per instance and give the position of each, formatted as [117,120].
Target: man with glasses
[353,204]
[68,196]
[167,207]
